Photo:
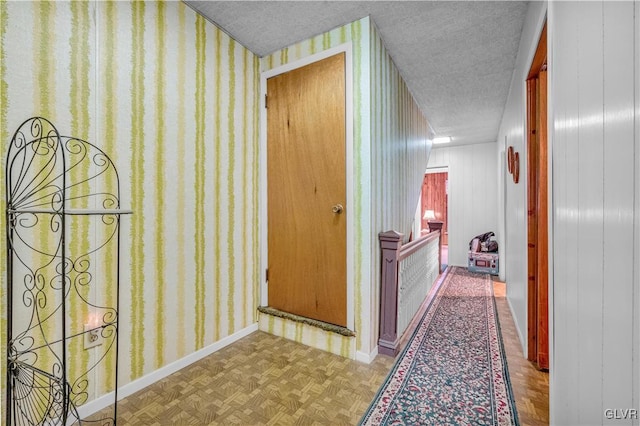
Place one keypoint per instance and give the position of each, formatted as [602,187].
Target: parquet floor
[530,386]
[261,379]
[268,380]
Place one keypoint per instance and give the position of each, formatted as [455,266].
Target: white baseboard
[523,342]
[159,374]
[367,358]
[96,405]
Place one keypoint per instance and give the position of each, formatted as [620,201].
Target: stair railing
[408,273]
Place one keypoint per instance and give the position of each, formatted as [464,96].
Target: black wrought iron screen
[63,245]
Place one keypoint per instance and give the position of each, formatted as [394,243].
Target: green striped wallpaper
[356,33]
[391,145]
[400,145]
[173,100]
[4,136]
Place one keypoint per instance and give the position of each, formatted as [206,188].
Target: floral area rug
[453,369]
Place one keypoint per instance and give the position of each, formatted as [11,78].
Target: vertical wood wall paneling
[636,228]
[593,74]
[590,211]
[572,204]
[514,247]
[434,197]
[472,199]
[563,280]
[618,190]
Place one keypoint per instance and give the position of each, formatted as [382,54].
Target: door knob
[337,208]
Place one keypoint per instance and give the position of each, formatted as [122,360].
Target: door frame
[345,48]
[540,190]
[440,169]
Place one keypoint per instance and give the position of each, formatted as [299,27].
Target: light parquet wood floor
[261,379]
[267,380]
[530,386]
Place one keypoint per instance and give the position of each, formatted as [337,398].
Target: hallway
[177,99]
[264,379]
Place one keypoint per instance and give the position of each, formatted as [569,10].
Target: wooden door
[307,191]
[537,205]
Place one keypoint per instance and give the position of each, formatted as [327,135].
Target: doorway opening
[537,209]
[435,206]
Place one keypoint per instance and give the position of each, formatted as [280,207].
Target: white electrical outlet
[92,336]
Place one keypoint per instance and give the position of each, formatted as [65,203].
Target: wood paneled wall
[472,202]
[594,94]
[594,98]
[513,200]
[434,197]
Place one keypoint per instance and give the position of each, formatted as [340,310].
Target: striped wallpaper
[4,136]
[391,145]
[400,145]
[356,33]
[173,100]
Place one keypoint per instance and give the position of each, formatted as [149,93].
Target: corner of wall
[513,205]
[397,159]
[636,320]
[360,243]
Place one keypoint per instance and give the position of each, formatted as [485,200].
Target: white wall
[513,207]
[595,178]
[635,372]
[473,201]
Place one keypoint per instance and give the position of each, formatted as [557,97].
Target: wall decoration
[510,159]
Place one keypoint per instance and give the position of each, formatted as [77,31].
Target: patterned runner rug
[453,369]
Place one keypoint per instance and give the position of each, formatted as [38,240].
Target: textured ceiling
[456,57]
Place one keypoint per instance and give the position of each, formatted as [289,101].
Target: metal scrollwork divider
[63,244]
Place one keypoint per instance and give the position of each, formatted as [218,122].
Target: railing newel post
[390,243]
